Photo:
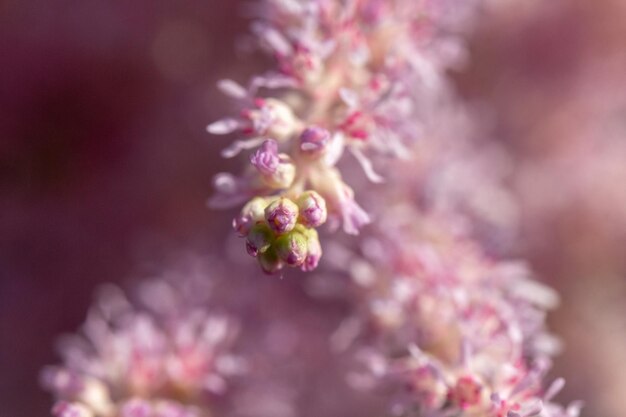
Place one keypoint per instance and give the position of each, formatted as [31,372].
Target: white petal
[335,149]
[554,389]
[223,126]
[349,97]
[367,166]
[274,39]
[232,89]
[533,410]
[225,183]
[291,6]
[272,81]
[241,145]
[354,217]
[573,410]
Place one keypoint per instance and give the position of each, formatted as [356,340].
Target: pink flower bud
[271,117]
[282,215]
[277,170]
[314,251]
[314,141]
[312,208]
[284,175]
[251,213]
[266,159]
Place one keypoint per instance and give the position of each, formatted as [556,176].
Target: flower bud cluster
[280,231]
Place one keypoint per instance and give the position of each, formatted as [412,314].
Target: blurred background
[105,163]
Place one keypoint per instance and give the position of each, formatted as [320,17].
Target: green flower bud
[269,261]
[259,239]
[314,251]
[292,247]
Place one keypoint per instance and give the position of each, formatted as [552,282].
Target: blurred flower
[463,331]
[162,354]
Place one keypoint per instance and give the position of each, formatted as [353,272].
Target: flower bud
[312,208]
[283,176]
[252,212]
[277,170]
[269,261]
[259,239]
[285,123]
[314,141]
[271,117]
[266,159]
[282,215]
[314,251]
[291,248]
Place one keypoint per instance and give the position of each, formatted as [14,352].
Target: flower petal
[223,126]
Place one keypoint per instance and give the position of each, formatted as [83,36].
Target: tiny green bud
[314,251]
[269,261]
[259,239]
[292,247]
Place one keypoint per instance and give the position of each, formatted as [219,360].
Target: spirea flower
[439,316]
[349,76]
[162,354]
